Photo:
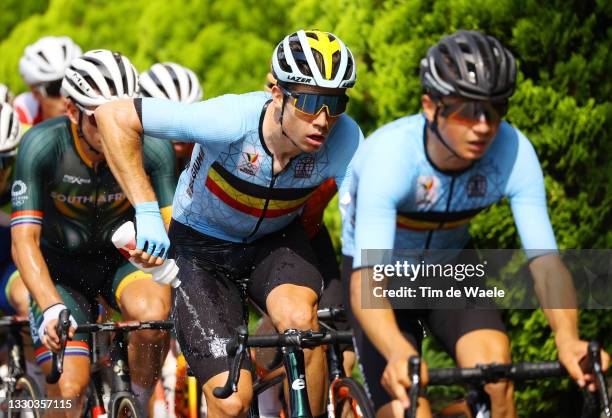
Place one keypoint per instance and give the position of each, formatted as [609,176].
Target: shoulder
[157,149]
[46,134]
[512,147]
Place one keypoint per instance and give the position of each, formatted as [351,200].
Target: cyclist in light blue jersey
[257,159]
[416,184]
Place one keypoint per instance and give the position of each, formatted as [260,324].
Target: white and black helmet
[5,94]
[315,58]
[9,130]
[47,59]
[98,77]
[168,80]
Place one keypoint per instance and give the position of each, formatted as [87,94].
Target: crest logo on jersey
[250,163]
[18,191]
[477,186]
[304,167]
[427,190]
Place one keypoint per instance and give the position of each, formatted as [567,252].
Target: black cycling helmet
[471,65]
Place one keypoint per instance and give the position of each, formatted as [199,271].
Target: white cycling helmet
[168,80]
[47,59]
[315,58]
[9,130]
[98,77]
[5,94]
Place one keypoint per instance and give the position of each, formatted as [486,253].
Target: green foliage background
[562,102]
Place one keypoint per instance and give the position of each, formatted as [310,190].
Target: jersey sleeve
[378,196]
[219,120]
[33,167]
[527,195]
[349,139]
[159,162]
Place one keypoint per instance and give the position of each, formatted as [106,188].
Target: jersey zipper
[267,202]
[448,203]
[96,193]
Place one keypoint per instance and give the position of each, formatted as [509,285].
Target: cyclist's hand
[571,352]
[395,377]
[47,330]
[152,241]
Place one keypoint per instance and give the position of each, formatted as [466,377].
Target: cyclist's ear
[72,112]
[429,107]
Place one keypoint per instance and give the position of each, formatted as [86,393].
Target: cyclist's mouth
[316,140]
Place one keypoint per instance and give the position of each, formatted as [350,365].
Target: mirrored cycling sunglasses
[312,104]
[470,112]
[51,89]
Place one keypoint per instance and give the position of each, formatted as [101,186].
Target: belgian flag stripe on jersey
[426,221]
[250,198]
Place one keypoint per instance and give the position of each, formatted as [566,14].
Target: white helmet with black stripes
[46,59]
[168,80]
[99,76]
[9,130]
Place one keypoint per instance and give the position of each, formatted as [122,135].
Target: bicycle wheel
[26,391]
[124,407]
[349,400]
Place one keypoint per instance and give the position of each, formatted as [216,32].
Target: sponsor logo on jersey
[304,167]
[427,190]
[75,180]
[195,169]
[477,186]
[103,198]
[250,163]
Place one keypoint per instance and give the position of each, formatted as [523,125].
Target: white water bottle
[124,239]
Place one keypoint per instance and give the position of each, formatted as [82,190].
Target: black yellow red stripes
[251,198]
[426,221]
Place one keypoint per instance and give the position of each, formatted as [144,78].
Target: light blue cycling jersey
[228,191]
[397,198]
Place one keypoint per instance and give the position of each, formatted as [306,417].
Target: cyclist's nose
[322,119]
[482,126]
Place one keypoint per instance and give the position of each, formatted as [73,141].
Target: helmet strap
[438,135]
[281,121]
[82,135]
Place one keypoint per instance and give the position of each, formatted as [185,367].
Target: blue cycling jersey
[229,191]
[398,199]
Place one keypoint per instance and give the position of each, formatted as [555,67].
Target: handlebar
[237,348]
[57,365]
[489,373]
[63,324]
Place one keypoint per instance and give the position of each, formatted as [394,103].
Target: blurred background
[563,101]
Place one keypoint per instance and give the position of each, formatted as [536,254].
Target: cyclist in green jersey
[66,205]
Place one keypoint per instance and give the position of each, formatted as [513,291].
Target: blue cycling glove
[151,234]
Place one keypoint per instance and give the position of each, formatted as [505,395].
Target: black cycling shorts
[447,325]
[207,306]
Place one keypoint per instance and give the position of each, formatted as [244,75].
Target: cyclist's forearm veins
[34,271]
[121,139]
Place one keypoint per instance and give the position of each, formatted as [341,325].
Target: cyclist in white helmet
[258,158]
[66,205]
[168,80]
[42,68]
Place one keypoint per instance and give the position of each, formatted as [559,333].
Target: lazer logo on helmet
[299,79]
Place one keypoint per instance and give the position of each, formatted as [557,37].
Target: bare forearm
[121,132]
[379,325]
[34,272]
[556,293]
